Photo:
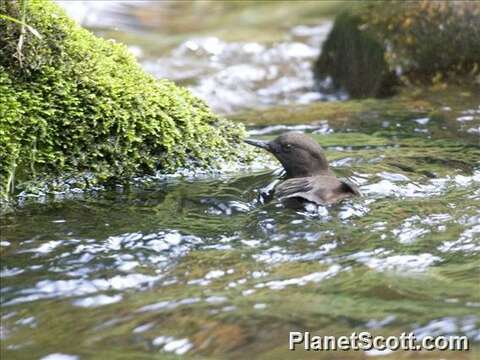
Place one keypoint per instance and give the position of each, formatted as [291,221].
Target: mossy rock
[73,104]
[374,47]
[353,61]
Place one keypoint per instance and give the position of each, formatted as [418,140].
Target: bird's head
[300,155]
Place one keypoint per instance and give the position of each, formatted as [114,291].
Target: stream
[203,266]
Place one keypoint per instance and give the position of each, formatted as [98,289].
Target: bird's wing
[297,187]
[319,189]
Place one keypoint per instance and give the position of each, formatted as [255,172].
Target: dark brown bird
[308,176]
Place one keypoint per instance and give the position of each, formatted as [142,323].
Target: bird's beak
[259,143]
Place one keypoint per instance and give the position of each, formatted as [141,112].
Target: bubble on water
[200,282]
[214,274]
[169,304]
[312,210]
[161,340]
[376,352]
[99,300]
[450,326]
[260,306]
[6,272]
[393,176]
[424,131]
[215,299]
[378,324]
[468,240]
[28,321]
[409,232]
[3,333]
[127,266]
[353,210]
[422,121]
[225,208]
[229,308]
[465,118]
[154,248]
[143,328]
[379,226]
[386,188]
[60,356]
[278,129]
[44,248]
[472,304]
[233,284]
[179,347]
[303,280]
[474,130]
[47,289]
[467,180]
[60,221]
[402,263]
[259,274]
[277,254]
[347,161]
[436,219]
[170,344]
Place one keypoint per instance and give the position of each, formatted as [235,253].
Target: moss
[427,40]
[354,60]
[73,104]
[373,48]
[441,106]
[338,113]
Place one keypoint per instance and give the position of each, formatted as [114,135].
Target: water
[209,267]
[203,266]
[229,75]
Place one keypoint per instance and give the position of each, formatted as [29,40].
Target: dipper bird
[309,179]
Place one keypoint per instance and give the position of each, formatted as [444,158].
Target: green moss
[339,114]
[441,105]
[428,40]
[73,104]
[354,60]
[374,47]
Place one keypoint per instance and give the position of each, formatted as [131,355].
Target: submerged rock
[72,104]
[374,47]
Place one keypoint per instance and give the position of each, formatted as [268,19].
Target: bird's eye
[287,147]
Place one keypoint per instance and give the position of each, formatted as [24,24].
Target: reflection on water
[197,266]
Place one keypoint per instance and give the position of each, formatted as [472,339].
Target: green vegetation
[354,60]
[373,48]
[441,103]
[72,104]
[428,40]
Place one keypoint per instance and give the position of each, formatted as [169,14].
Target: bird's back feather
[317,189]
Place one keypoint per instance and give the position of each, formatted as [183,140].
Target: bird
[308,176]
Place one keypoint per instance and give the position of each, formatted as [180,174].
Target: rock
[353,61]
[72,103]
[377,46]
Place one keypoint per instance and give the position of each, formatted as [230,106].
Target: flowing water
[207,266]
